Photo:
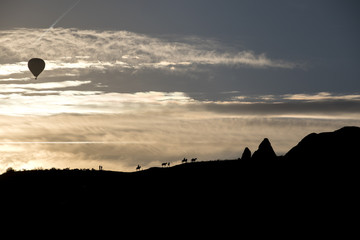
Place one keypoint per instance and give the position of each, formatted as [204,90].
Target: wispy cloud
[296,98]
[75,48]
[8,69]
[28,87]
[46,100]
[322,96]
[318,105]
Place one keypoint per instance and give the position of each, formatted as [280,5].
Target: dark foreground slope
[222,184]
[201,182]
[284,186]
[329,147]
[183,183]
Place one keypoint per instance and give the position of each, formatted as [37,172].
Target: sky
[144,82]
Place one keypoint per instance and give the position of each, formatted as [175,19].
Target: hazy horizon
[140,82]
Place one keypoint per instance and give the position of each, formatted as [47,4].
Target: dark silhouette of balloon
[36,66]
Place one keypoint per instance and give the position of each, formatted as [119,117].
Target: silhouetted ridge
[302,172]
[246,154]
[265,152]
[340,145]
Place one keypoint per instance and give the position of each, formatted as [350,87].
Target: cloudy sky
[143,82]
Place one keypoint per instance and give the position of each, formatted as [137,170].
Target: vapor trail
[57,20]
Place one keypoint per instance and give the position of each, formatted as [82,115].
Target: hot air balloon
[36,66]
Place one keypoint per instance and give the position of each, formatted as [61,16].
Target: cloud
[50,98]
[14,79]
[295,98]
[75,48]
[30,87]
[8,69]
[126,62]
[323,110]
[321,96]
[45,99]
[319,105]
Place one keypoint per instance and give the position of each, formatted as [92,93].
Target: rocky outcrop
[265,152]
[246,154]
[340,145]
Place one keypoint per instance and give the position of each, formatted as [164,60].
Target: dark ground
[223,182]
[292,193]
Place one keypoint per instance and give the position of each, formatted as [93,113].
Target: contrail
[57,20]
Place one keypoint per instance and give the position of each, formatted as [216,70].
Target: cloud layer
[126,62]
[122,49]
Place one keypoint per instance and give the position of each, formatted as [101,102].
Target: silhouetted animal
[165,164]
[193,159]
[184,160]
[138,167]
[100,168]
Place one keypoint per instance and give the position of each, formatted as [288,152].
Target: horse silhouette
[193,159]
[165,164]
[184,160]
[138,167]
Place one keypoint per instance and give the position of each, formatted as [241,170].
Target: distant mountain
[340,145]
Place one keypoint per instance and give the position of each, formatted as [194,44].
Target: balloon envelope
[36,66]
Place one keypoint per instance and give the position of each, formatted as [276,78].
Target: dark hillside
[199,180]
[213,181]
[329,147]
[274,184]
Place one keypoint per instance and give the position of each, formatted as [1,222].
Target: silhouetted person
[100,168]
[184,160]
[246,154]
[138,167]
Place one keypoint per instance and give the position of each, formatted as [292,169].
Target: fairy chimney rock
[265,152]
